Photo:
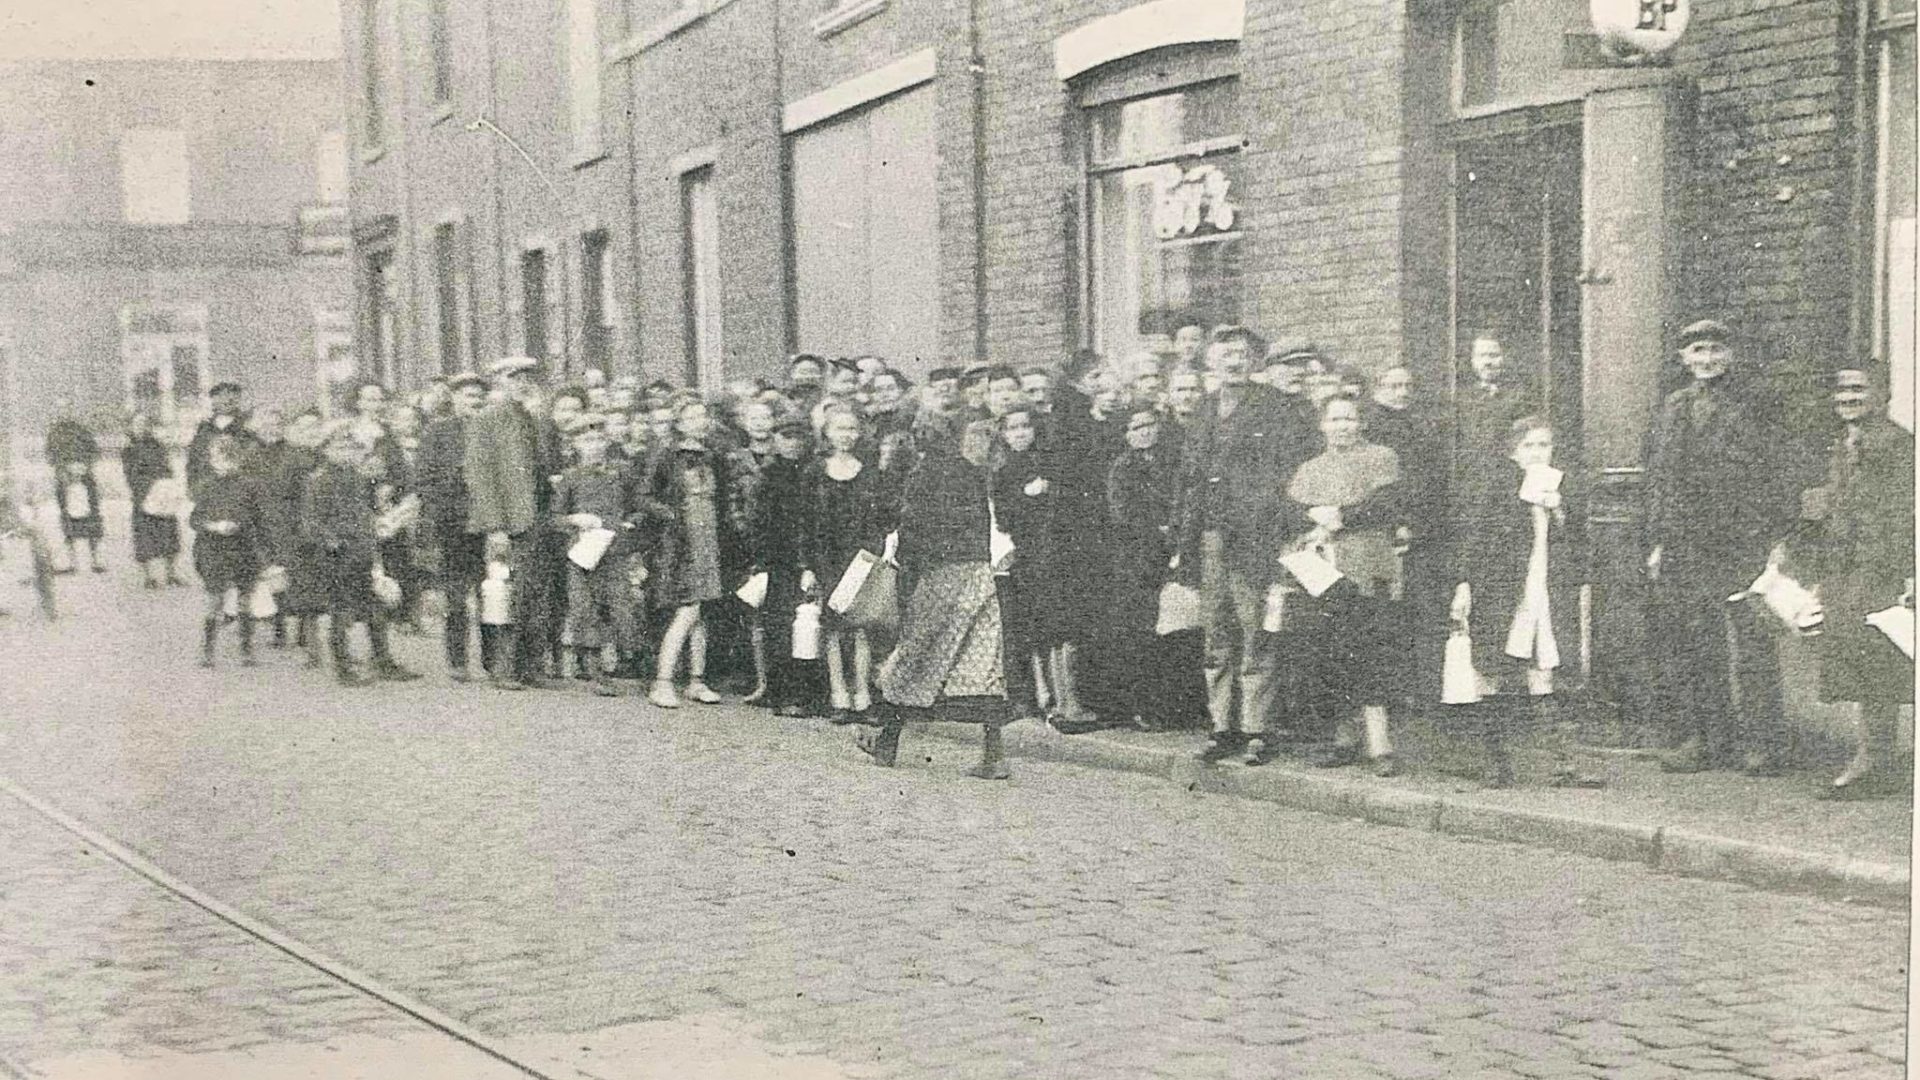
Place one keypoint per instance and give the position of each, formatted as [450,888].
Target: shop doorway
[1517,258]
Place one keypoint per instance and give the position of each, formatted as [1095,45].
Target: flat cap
[225,387]
[512,365]
[1704,330]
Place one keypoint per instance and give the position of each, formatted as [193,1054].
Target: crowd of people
[1248,539]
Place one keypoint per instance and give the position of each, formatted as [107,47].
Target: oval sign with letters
[1632,31]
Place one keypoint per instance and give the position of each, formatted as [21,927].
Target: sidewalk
[1767,833]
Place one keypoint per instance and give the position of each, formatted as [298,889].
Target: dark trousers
[1019,635]
[463,565]
[1718,674]
[537,569]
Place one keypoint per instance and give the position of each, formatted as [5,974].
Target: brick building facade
[692,189]
[165,225]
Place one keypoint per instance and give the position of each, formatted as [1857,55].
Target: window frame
[1093,168]
[1879,27]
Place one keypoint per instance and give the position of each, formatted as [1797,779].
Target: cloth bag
[868,594]
[165,498]
[1459,682]
[1179,609]
[806,631]
[261,603]
[385,588]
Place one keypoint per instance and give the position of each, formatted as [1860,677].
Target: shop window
[700,244]
[1892,64]
[1167,215]
[155,186]
[866,217]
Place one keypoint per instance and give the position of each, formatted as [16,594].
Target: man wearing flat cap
[1716,509]
[448,504]
[513,453]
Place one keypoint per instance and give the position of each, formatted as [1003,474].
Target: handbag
[1459,682]
[1179,609]
[877,607]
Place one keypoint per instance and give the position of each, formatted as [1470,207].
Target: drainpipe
[977,75]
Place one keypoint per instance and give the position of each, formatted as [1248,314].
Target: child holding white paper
[591,498]
[1518,596]
[845,519]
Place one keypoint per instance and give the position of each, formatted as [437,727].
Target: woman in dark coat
[949,661]
[785,496]
[1162,680]
[689,497]
[156,537]
[1863,559]
[1520,563]
[1028,586]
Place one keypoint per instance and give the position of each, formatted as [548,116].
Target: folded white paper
[1897,623]
[1791,602]
[851,582]
[590,548]
[1539,482]
[1312,570]
[754,592]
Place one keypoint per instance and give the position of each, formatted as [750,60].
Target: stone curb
[1673,849]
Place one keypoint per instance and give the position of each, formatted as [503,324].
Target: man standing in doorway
[1716,509]
[513,453]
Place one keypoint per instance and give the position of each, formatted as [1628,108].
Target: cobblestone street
[539,864]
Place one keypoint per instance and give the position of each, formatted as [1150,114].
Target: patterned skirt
[949,655]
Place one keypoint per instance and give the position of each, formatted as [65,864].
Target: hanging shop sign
[1632,32]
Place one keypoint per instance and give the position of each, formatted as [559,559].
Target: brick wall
[1773,186]
[1321,106]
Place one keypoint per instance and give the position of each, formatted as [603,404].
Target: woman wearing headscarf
[949,662]
[1344,505]
[156,537]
